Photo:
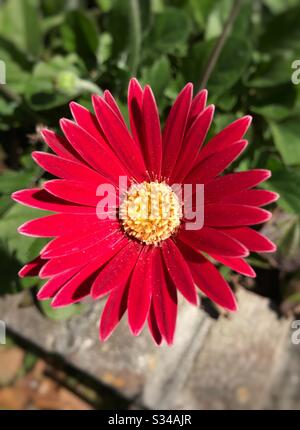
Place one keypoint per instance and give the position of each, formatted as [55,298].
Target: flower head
[148,245]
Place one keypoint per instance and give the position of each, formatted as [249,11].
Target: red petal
[232,133]
[164,298]
[78,287]
[228,215]
[252,197]
[252,239]
[140,292]
[67,169]
[119,138]
[51,287]
[95,152]
[153,327]
[213,165]
[104,249]
[33,268]
[237,264]
[208,279]
[41,199]
[193,142]
[88,121]
[175,128]
[179,271]
[60,145]
[197,106]
[117,271]
[69,244]
[113,105]
[113,311]
[233,183]
[153,140]
[58,225]
[135,108]
[215,241]
[73,191]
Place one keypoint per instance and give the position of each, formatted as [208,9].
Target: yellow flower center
[151,212]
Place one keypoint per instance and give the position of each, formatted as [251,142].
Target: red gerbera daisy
[141,262]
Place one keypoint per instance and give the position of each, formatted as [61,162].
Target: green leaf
[7,108]
[226,73]
[288,242]
[287,184]
[9,267]
[257,261]
[105,48]
[274,72]
[11,180]
[59,314]
[17,76]
[201,10]
[119,18]
[170,31]
[223,120]
[215,21]
[54,83]
[286,138]
[218,17]
[277,6]
[227,101]
[53,7]
[15,249]
[282,32]
[158,76]
[105,5]
[272,112]
[18,245]
[80,34]
[20,23]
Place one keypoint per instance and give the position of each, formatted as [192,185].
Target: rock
[237,362]
[229,363]
[285,393]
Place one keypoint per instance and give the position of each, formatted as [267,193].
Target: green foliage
[170,32]
[57,51]
[226,73]
[59,314]
[286,138]
[20,24]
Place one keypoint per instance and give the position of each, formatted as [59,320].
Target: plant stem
[135,36]
[216,52]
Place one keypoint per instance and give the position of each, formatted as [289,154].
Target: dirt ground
[28,382]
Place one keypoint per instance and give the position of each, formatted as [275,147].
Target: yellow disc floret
[151,212]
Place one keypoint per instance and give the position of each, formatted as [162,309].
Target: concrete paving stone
[229,363]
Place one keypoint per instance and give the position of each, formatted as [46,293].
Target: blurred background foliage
[56,51]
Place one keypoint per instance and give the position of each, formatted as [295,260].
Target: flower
[139,260]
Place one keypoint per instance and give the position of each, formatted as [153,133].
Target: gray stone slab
[285,392]
[229,363]
[236,366]
[123,362]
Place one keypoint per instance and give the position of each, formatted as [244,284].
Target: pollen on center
[151,212]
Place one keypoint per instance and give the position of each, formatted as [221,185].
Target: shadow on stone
[109,399]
